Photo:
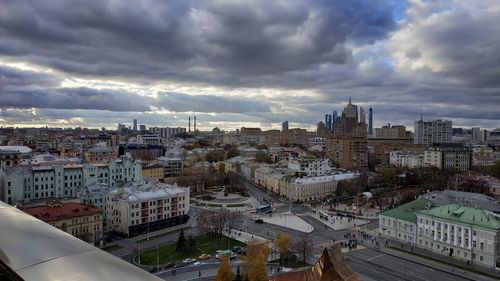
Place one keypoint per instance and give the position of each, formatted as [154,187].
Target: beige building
[140,209]
[155,171]
[99,154]
[391,132]
[349,150]
[80,220]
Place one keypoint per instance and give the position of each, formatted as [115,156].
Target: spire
[349,99]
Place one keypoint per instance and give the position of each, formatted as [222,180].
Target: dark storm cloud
[179,102]
[26,89]
[197,41]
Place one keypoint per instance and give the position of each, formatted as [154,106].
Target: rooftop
[15,148]
[148,191]
[463,198]
[465,215]
[59,211]
[407,212]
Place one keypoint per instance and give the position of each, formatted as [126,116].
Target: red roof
[58,211]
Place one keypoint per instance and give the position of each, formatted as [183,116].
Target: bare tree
[214,223]
[304,246]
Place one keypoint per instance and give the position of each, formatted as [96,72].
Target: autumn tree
[304,247]
[215,156]
[224,273]
[254,263]
[284,244]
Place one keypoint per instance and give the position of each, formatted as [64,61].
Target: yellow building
[155,171]
[80,220]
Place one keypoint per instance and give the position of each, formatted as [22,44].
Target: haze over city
[247,63]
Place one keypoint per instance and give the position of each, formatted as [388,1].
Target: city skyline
[252,64]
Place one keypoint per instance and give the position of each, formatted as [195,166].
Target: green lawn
[169,254]
[235,205]
[214,205]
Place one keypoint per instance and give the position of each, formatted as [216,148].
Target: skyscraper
[284,126]
[334,121]
[135,125]
[370,122]
[362,116]
[350,117]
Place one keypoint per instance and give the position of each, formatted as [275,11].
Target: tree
[304,247]
[191,242]
[389,176]
[224,273]
[495,169]
[284,244]
[215,156]
[181,241]
[254,263]
[214,223]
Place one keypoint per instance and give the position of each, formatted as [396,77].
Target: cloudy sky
[239,63]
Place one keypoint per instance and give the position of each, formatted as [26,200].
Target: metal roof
[37,251]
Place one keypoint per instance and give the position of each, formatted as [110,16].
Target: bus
[324,215]
[264,209]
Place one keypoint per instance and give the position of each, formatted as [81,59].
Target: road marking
[370,259]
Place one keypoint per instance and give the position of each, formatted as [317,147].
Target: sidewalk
[437,265]
[418,253]
[288,220]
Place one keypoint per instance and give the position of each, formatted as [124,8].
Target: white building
[167,132]
[150,139]
[453,156]
[314,188]
[407,159]
[22,184]
[429,132]
[309,166]
[465,233]
[137,210]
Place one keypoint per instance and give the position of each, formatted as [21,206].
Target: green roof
[465,215]
[407,211]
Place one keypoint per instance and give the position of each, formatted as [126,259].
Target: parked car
[188,261]
[259,221]
[204,257]
[168,265]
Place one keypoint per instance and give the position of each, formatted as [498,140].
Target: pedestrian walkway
[339,223]
[286,219]
[454,265]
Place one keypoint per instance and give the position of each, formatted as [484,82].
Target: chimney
[189,124]
[195,123]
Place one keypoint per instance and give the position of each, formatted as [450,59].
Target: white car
[188,260]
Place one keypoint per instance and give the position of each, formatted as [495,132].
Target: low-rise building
[408,159]
[401,223]
[80,220]
[465,233]
[136,210]
[310,166]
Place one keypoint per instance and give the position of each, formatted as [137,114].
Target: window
[482,246]
[481,258]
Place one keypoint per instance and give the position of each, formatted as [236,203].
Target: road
[371,264]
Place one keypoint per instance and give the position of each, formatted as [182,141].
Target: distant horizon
[248,64]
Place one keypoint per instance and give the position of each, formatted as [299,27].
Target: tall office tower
[135,124]
[326,120]
[142,128]
[334,121]
[284,126]
[362,116]
[435,131]
[350,117]
[370,122]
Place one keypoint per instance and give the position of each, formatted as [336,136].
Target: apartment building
[436,131]
[136,210]
[450,156]
[22,184]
